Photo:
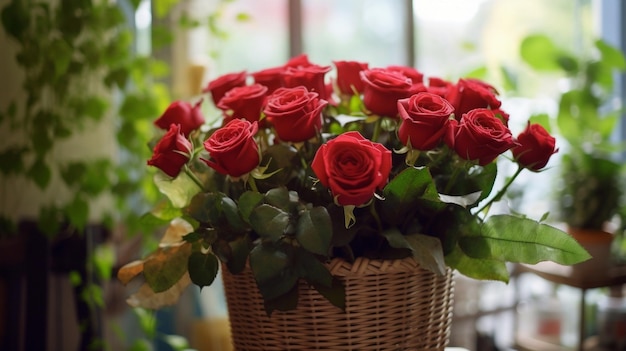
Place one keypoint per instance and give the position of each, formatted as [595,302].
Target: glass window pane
[365,30]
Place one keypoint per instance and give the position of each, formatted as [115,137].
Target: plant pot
[390,305]
[598,244]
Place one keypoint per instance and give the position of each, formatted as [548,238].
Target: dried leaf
[175,231]
[146,298]
[130,271]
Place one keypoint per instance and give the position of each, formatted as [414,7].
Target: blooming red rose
[188,116]
[352,167]
[439,86]
[480,135]
[272,78]
[382,90]
[468,94]
[504,117]
[349,76]
[312,77]
[415,75]
[244,102]
[535,148]
[301,60]
[172,152]
[222,84]
[232,148]
[295,113]
[425,118]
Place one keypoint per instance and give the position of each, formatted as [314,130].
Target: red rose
[244,102]
[480,135]
[425,118]
[272,78]
[312,77]
[232,148]
[183,113]
[535,148]
[439,86]
[222,84]
[349,76]
[416,76]
[468,94]
[172,152]
[301,60]
[352,167]
[382,90]
[295,113]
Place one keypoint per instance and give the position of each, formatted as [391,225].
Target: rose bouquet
[302,166]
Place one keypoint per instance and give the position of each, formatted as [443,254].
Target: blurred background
[82,80]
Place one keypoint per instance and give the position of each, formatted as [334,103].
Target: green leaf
[311,269]
[314,230]
[205,207]
[285,302]
[540,52]
[202,268]
[15,19]
[179,190]
[269,222]
[231,212]
[514,239]
[411,186]
[62,53]
[477,268]
[273,270]
[40,173]
[11,160]
[426,250]
[335,294]
[49,220]
[77,212]
[611,55]
[247,202]
[240,249]
[279,197]
[166,267]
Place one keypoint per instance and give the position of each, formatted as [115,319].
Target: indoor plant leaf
[314,230]
[524,240]
[166,266]
[269,222]
[202,268]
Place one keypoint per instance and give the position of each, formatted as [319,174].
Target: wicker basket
[390,305]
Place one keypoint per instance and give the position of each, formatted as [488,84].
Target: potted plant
[589,191]
[311,195]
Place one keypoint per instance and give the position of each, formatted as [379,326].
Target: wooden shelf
[572,276]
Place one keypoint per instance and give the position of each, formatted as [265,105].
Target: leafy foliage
[591,191]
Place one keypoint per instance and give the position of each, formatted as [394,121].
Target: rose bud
[469,94]
[535,148]
[244,102]
[219,86]
[349,76]
[382,90]
[425,119]
[272,78]
[480,135]
[295,113]
[232,148]
[183,113]
[352,167]
[172,152]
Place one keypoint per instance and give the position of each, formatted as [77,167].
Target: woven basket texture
[390,305]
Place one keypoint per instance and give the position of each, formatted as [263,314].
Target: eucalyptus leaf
[269,222]
[314,230]
[202,268]
[273,270]
[247,202]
